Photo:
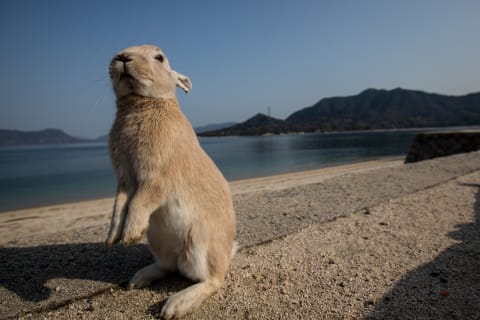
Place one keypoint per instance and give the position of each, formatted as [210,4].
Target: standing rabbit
[168,187]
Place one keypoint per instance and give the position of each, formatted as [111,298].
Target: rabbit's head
[145,71]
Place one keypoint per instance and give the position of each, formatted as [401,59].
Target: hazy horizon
[241,57]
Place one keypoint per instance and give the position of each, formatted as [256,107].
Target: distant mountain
[257,125]
[102,138]
[371,109]
[388,109]
[47,136]
[214,126]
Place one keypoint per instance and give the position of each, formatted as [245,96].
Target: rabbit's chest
[137,132]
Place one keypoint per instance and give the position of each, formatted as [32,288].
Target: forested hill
[386,109]
[256,125]
[370,109]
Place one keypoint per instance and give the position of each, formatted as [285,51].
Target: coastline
[73,215]
[340,132]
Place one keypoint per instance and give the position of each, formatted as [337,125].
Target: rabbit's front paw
[132,234]
[111,241]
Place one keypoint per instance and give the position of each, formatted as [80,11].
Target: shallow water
[41,175]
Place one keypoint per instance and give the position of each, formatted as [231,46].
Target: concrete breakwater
[431,145]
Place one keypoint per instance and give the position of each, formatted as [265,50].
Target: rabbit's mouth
[126,76]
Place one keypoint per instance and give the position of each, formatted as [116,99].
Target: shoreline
[71,215]
[339,132]
[232,182]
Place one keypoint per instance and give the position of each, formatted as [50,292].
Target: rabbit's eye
[159,58]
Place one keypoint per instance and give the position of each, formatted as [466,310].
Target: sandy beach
[371,240]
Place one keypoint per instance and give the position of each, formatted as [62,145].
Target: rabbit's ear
[182,81]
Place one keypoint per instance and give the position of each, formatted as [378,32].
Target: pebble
[368,303]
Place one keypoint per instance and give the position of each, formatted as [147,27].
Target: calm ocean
[41,175]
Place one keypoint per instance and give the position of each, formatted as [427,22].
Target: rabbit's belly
[169,233]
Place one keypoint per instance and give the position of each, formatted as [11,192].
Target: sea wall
[439,144]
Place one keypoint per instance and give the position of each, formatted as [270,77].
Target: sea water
[41,175]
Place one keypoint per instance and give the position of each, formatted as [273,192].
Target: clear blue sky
[242,56]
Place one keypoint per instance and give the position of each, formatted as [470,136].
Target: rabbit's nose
[122,57]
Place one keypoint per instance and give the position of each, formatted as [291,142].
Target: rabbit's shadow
[26,270]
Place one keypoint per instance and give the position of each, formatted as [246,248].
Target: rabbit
[167,186]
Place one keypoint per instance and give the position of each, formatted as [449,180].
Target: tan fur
[168,187]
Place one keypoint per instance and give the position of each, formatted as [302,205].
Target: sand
[380,240]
